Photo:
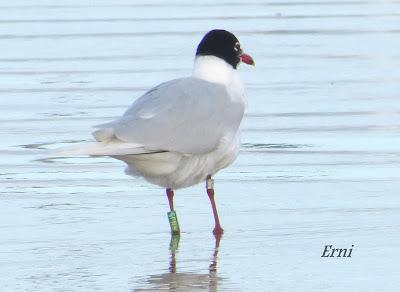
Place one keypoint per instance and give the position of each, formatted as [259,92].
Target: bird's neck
[214,69]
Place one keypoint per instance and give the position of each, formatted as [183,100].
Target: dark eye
[236,48]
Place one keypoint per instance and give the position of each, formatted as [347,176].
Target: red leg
[210,191]
[170,195]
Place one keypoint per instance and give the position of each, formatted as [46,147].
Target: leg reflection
[175,280]
[213,265]
[191,280]
[173,247]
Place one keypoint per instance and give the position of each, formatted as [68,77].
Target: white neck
[216,70]
[213,69]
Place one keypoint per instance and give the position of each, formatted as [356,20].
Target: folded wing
[187,115]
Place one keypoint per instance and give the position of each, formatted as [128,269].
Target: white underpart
[174,170]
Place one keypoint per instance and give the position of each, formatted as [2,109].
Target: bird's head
[223,44]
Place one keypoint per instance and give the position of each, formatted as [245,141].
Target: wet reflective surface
[173,280]
[319,163]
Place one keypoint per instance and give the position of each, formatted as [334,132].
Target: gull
[183,131]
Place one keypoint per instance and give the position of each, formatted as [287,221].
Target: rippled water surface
[319,163]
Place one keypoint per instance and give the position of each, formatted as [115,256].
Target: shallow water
[319,162]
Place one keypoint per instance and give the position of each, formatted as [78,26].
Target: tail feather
[107,145]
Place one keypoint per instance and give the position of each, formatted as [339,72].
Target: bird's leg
[210,191]
[173,219]
[170,195]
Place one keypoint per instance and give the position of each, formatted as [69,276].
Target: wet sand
[318,166]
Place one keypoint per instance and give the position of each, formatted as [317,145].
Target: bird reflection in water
[176,281]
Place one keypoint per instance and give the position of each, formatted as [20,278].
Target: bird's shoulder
[186,87]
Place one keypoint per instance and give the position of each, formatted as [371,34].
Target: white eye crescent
[236,48]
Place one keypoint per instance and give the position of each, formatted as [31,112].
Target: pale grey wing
[186,115]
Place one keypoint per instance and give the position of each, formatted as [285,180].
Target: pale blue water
[319,162]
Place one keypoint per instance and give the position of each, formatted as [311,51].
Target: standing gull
[183,131]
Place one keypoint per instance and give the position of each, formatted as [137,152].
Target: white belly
[174,170]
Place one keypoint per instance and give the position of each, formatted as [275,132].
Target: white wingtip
[111,148]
